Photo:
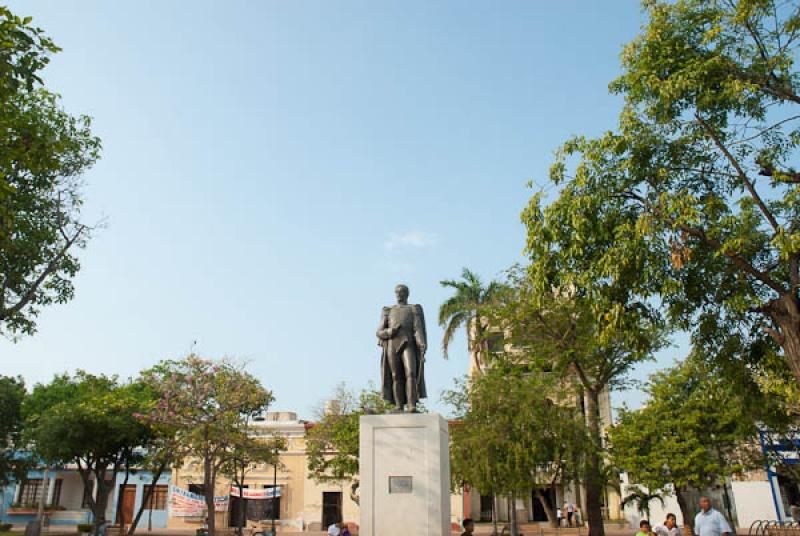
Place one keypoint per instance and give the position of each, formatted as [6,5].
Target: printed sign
[183,503]
[264,493]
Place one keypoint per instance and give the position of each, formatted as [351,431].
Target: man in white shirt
[710,522]
[669,527]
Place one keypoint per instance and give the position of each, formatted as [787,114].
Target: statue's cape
[386,376]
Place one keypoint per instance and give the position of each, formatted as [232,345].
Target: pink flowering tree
[205,406]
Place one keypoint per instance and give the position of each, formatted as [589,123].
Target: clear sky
[271,169]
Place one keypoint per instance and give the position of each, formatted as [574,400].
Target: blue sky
[272,169]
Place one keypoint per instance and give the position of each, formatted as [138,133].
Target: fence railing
[767,527]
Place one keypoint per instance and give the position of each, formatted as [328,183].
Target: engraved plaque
[400,484]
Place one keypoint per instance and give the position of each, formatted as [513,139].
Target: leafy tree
[208,404]
[332,441]
[43,153]
[89,421]
[516,430]
[463,309]
[700,173]
[12,395]
[642,498]
[590,335]
[242,457]
[693,431]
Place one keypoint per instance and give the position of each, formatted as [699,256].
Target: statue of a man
[401,334]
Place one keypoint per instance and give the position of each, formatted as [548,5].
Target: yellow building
[303,504]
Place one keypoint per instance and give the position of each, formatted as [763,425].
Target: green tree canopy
[696,428]
[43,153]
[695,192]
[12,395]
[332,441]
[516,430]
[88,420]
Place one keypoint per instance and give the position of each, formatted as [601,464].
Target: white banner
[183,503]
[264,493]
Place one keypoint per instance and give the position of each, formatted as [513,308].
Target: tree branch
[737,259]
[51,266]
[742,175]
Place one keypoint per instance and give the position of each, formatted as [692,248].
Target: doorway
[539,513]
[125,512]
[331,508]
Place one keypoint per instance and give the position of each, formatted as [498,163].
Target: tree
[590,335]
[695,429]
[12,394]
[642,498]
[209,404]
[701,170]
[43,153]
[515,430]
[332,441]
[241,457]
[89,421]
[463,308]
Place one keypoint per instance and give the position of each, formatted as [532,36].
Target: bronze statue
[401,334]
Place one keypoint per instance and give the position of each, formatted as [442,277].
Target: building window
[273,506]
[199,489]
[158,500]
[31,491]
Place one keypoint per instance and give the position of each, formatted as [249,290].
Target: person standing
[669,527]
[559,516]
[569,508]
[644,528]
[710,522]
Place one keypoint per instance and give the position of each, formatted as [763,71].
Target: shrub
[85,527]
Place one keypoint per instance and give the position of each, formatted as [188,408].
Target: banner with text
[183,503]
[264,493]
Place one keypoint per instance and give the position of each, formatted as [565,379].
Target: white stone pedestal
[404,464]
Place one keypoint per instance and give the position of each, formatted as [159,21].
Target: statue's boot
[411,394]
[397,386]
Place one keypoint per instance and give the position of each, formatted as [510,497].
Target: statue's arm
[384,333]
[420,334]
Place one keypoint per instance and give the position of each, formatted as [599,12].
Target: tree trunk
[242,507]
[146,499]
[785,312]
[120,497]
[594,479]
[512,514]
[548,510]
[101,501]
[43,497]
[686,510]
[494,515]
[209,482]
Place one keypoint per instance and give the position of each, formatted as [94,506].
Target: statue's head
[402,293]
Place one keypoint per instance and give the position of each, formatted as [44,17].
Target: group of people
[568,514]
[708,522]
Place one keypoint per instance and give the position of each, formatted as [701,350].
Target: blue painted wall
[140,480]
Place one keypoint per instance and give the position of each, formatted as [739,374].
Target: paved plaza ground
[481,529]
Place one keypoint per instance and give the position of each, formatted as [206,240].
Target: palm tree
[641,499]
[463,309]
